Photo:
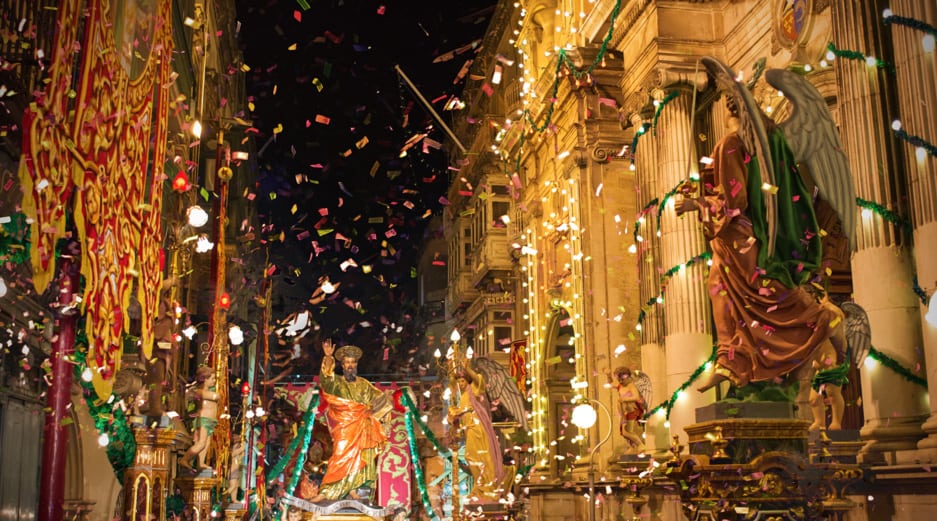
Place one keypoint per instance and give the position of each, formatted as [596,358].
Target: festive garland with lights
[916,141]
[644,211]
[896,366]
[109,419]
[564,60]
[888,17]
[884,213]
[859,56]
[663,283]
[668,404]
[660,107]
[637,134]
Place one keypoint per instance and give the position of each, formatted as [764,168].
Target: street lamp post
[584,417]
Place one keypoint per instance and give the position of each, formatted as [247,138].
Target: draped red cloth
[353,430]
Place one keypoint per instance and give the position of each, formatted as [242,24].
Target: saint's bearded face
[350,369]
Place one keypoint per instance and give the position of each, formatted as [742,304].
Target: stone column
[916,80]
[882,265]
[686,306]
[647,253]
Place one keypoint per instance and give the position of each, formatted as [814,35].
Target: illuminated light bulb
[927,42]
[235,335]
[469,353]
[870,362]
[584,416]
[203,245]
[197,129]
[455,336]
[632,249]
[921,154]
[196,216]
[631,167]
[249,414]
[103,439]
[808,68]
[896,125]
[261,411]
[86,374]
[189,332]
[887,13]
[824,64]
[3,287]
[870,61]
[866,213]
[830,55]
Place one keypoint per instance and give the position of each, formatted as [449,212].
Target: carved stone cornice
[606,151]
[638,102]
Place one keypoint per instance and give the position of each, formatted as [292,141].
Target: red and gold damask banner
[97,147]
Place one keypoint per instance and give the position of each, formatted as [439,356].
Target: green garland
[893,364]
[563,60]
[660,106]
[890,18]
[410,417]
[884,213]
[668,404]
[856,55]
[644,211]
[108,418]
[308,418]
[309,422]
[663,279]
[634,142]
[918,290]
[916,141]
[14,240]
[663,202]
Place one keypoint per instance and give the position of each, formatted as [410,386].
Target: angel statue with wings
[634,393]
[480,387]
[760,220]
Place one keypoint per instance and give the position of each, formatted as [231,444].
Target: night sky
[335,197]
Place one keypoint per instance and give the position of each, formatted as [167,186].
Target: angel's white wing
[753,134]
[812,136]
[643,382]
[858,331]
[502,388]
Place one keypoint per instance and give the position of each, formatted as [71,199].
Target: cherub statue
[766,245]
[633,394]
[234,471]
[206,418]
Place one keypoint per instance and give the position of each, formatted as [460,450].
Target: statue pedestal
[747,429]
[196,491]
[344,509]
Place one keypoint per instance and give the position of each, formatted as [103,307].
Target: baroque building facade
[582,118]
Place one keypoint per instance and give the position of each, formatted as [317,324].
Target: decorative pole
[217,336]
[454,393]
[58,398]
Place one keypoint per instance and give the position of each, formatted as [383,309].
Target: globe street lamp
[584,417]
